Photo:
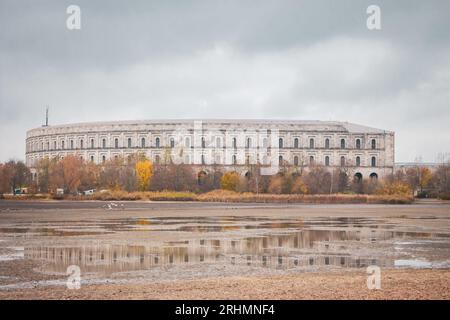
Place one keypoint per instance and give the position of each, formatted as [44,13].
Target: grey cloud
[234,59]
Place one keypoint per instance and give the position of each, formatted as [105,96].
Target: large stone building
[233,144]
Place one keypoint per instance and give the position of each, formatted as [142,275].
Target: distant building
[232,144]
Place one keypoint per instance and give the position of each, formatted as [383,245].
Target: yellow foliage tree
[144,173]
[230,181]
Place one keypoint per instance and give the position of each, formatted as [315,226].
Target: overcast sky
[228,59]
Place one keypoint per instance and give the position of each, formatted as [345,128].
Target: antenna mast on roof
[46,116]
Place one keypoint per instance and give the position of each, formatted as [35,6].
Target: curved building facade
[232,144]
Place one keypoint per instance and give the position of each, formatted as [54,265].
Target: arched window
[92,158]
[265,143]
[104,143]
[373,162]
[374,144]
[373,176]
[116,143]
[247,160]
[187,142]
[280,160]
[92,143]
[48,145]
[234,160]
[327,161]
[203,142]
[296,143]
[358,161]
[249,143]
[103,158]
[129,142]
[143,143]
[172,142]
[71,144]
[157,159]
[327,143]
[296,161]
[342,143]
[342,161]
[311,160]
[157,142]
[280,143]
[358,143]
[203,159]
[311,143]
[54,145]
[217,142]
[234,143]
[81,144]
[62,144]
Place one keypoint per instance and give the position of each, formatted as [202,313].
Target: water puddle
[233,241]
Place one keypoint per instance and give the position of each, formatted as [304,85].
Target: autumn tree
[144,172]
[317,180]
[230,181]
[15,175]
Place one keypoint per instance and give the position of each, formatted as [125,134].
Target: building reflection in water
[306,249]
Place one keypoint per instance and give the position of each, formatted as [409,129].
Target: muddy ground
[145,250]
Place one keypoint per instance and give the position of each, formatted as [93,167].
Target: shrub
[394,188]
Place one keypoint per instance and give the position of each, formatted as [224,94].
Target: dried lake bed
[197,250]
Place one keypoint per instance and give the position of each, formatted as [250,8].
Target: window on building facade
[187,142]
[203,159]
[296,143]
[265,143]
[218,142]
[311,143]
[92,158]
[373,162]
[280,143]
[358,161]
[81,144]
[71,144]
[342,161]
[311,160]
[342,143]
[234,143]
[374,144]
[172,142]
[54,145]
[327,161]
[92,143]
[249,143]
[143,143]
[157,142]
[203,142]
[103,158]
[233,158]
[116,143]
[327,143]
[358,143]
[129,142]
[280,160]
[295,160]
[104,143]
[157,159]
[62,144]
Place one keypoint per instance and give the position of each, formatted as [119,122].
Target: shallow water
[232,241]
